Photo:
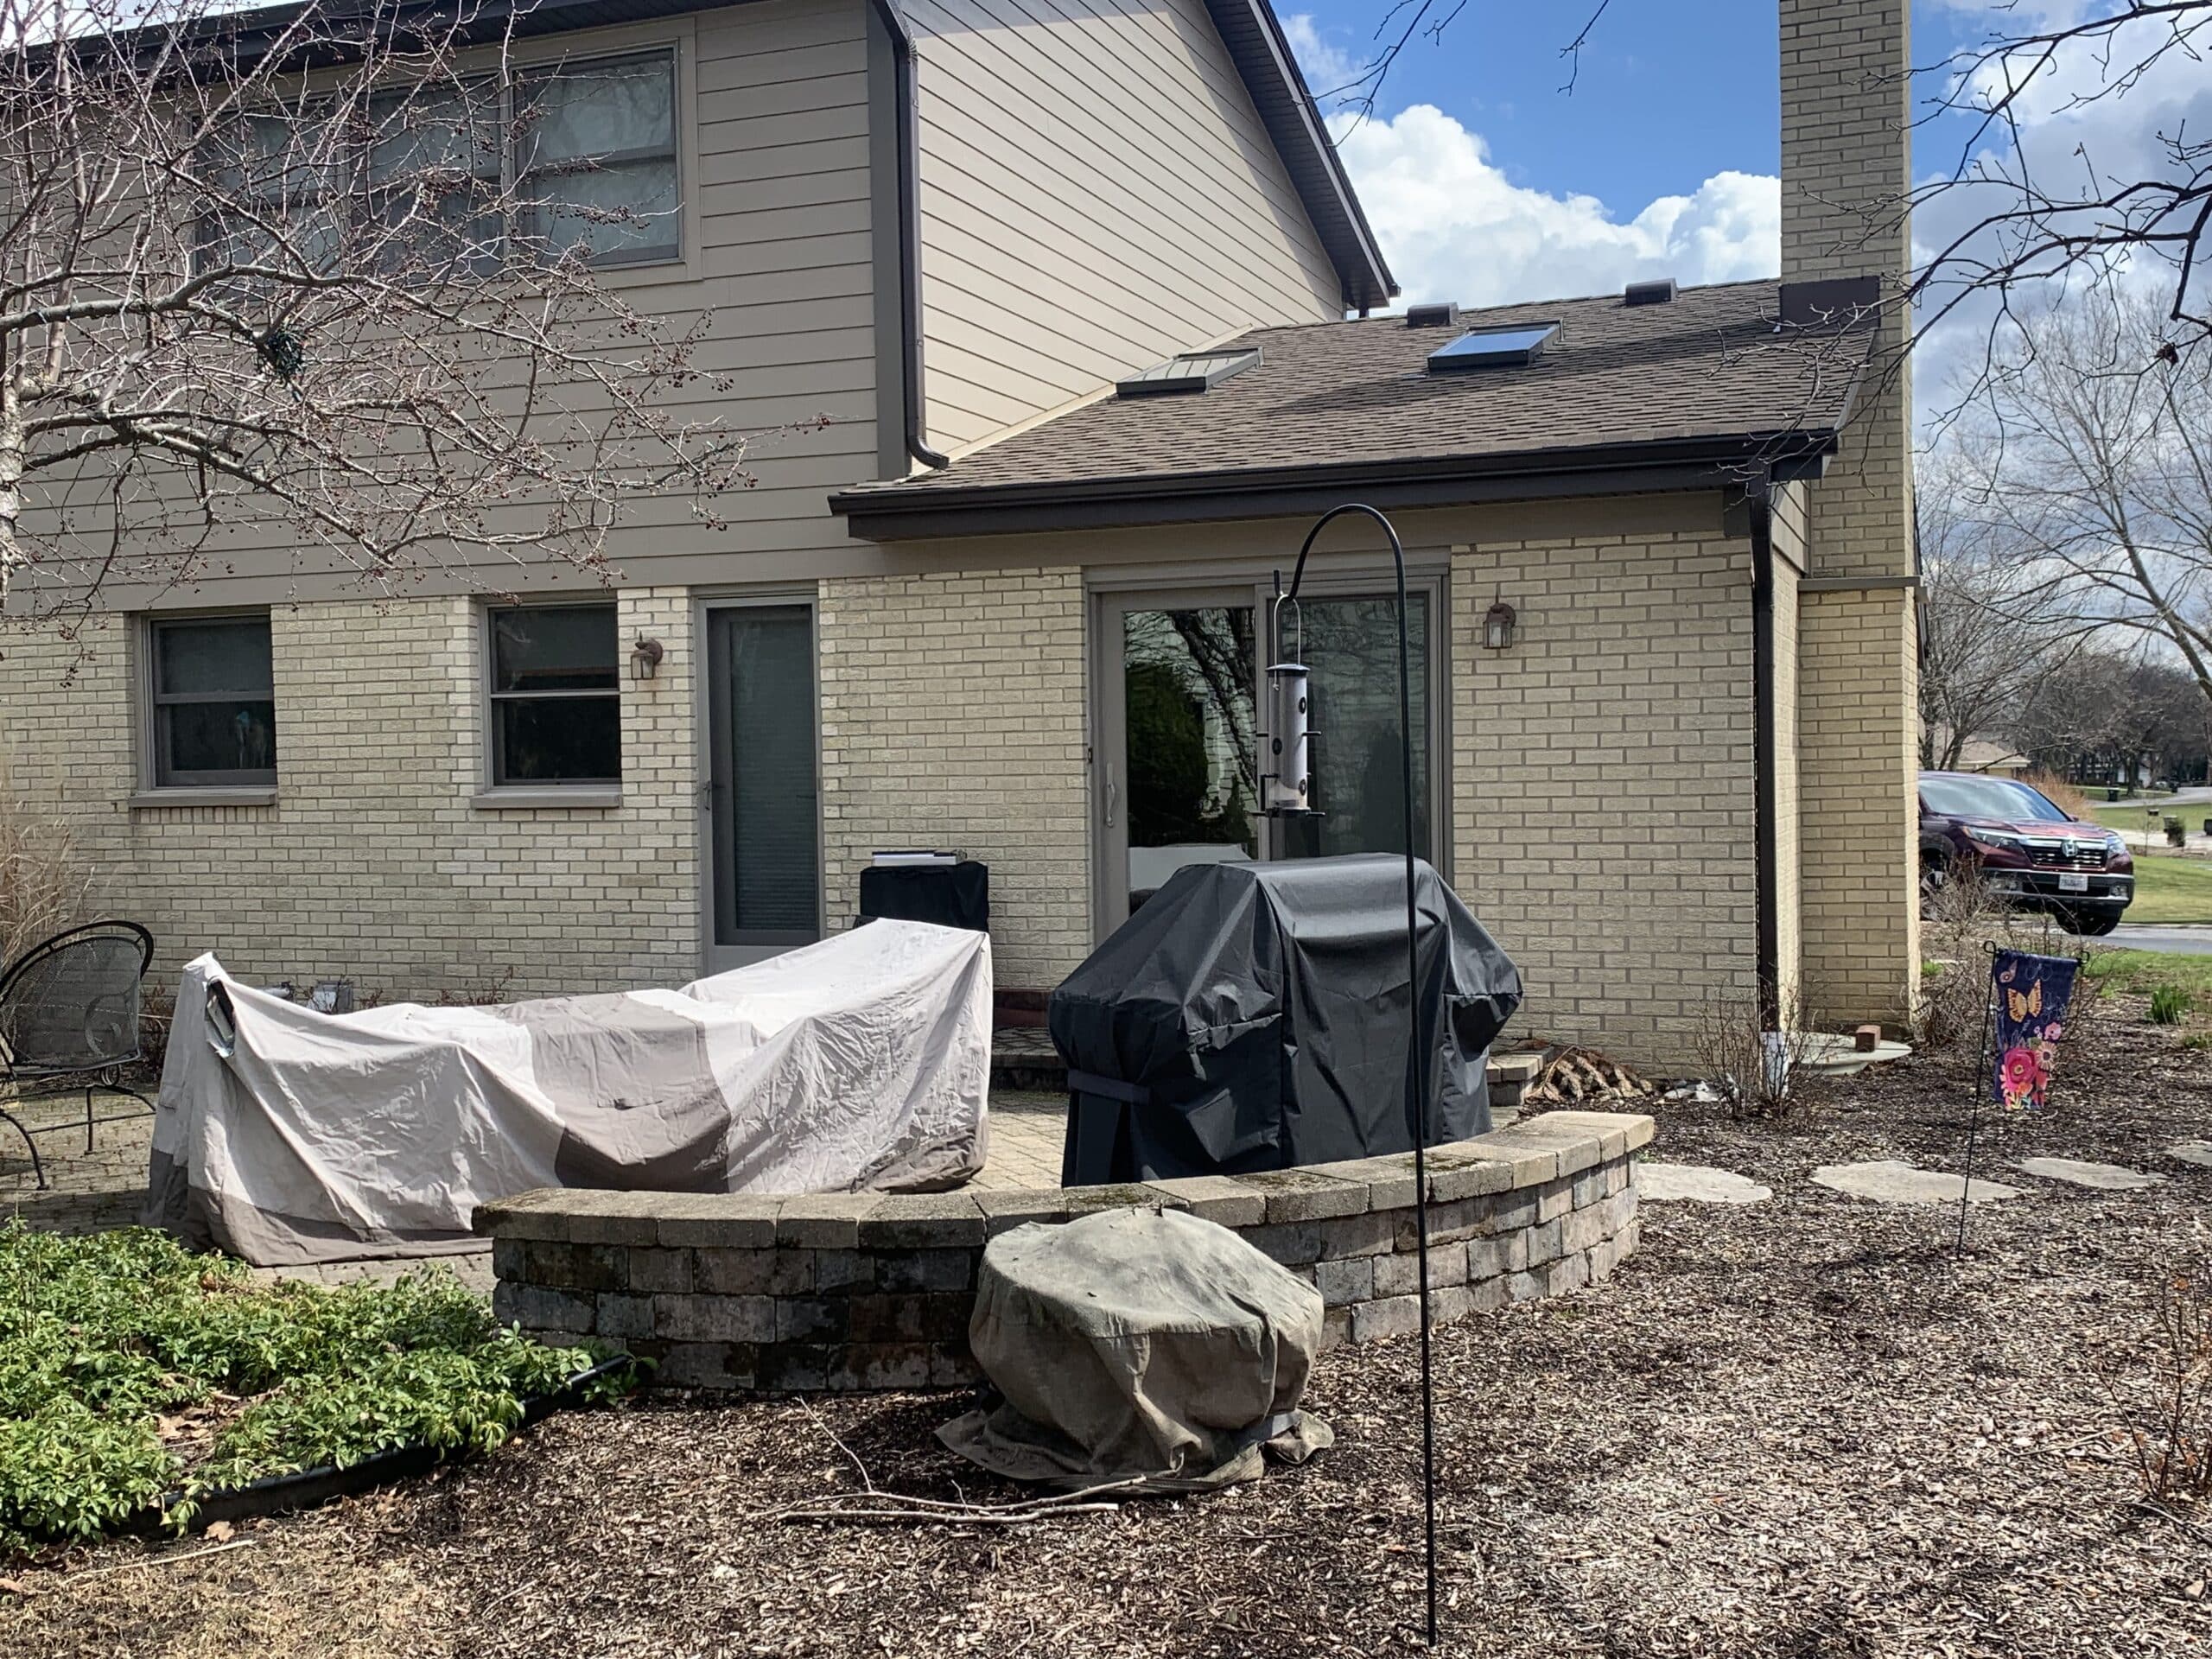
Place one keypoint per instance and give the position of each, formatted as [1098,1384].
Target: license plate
[2072,884]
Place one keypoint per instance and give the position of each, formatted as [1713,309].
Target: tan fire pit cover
[1139,1345]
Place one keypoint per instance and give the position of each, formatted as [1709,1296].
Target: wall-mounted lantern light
[1497,626]
[646,658]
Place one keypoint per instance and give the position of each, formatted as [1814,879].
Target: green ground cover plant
[134,1372]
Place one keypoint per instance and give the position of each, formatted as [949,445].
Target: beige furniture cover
[284,1136]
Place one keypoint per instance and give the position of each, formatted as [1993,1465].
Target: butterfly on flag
[2033,993]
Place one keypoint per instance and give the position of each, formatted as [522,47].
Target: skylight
[1493,348]
[1194,371]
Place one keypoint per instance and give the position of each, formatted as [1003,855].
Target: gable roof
[1688,394]
[1255,39]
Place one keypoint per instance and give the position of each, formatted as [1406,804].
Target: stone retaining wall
[856,1290]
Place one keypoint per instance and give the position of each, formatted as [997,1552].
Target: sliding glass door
[1176,771]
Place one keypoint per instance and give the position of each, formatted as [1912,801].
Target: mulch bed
[1802,1428]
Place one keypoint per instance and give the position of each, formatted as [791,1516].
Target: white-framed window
[211,702]
[555,696]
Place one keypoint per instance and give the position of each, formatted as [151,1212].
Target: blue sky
[1487,184]
[1670,92]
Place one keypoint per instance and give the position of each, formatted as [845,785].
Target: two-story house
[1096,320]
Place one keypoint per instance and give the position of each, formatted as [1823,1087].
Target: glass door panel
[1190,720]
[1351,650]
[767,858]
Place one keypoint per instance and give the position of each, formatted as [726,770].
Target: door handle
[1113,795]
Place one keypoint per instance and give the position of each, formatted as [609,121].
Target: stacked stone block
[859,1291]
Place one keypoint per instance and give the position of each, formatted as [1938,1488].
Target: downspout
[906,84]
[1758,498]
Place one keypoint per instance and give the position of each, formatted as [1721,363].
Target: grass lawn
[2145,971]
[2135,818]
[2168,889]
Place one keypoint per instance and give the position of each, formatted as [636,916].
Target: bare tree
[2028,219]
[2011,217]
[327,280]
[2096,476]
[1992,629]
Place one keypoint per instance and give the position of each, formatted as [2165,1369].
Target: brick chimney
[1846,166]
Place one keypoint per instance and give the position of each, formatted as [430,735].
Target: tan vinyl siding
[1098,193]
[773,112]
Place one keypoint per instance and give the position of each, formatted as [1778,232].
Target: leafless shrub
[1959,920]
[45,886]
[2060,793]
[1758,1070]
[2166,1408]
[488,993]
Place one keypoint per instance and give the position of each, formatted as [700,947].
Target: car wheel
[1935,875]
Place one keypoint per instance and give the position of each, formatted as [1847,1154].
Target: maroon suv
[2024,848]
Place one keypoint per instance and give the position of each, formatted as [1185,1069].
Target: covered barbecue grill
[1255,1016]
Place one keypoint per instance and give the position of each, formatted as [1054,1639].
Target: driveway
[2146,936]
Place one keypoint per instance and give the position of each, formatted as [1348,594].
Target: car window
[1987,798]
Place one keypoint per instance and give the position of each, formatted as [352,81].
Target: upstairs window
[557,697]
[432,170]
[578,155]
[214,703]
[597,158]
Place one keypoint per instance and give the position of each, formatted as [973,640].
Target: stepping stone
[1696,1183]
[1887,1180]
[2192,1152]
[2101,1177]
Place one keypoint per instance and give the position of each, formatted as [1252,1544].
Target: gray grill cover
[1139,1345]
[1254,1016]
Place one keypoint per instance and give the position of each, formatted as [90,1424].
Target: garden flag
[2032,993]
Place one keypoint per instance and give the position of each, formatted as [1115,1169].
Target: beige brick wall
[1603,807]
[1857,727]
[953,717]
[1847,163]
[372,863]
[1846,169]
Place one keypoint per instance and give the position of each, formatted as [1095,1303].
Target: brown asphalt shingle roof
[1708,365]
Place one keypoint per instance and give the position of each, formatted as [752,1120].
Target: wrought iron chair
[69,1011]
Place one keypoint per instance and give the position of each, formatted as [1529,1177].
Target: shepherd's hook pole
[1416,1073]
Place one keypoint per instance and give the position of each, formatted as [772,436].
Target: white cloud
[2089,123]
[1453,228]
[1328,67]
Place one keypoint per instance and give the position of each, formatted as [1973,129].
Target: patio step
[1023,1058]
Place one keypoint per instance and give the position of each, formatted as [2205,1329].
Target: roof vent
[1661,292]
[1432,316]
[1192,371]
[1835,300]
[1493,348]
